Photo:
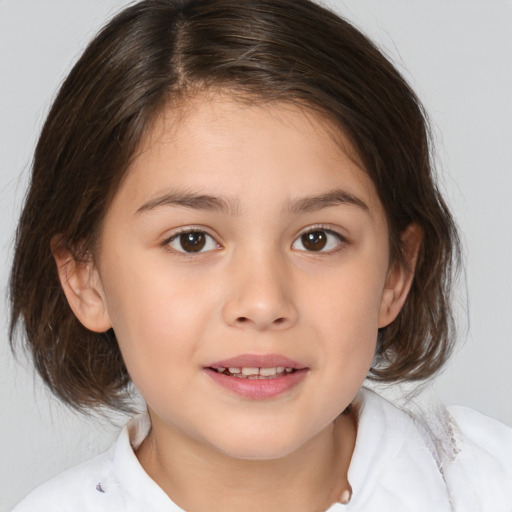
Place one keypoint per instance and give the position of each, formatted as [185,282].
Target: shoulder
[473,453]
[484,458]
[112,482]
[484,434]
[422,452]
[79,488]
[392,468]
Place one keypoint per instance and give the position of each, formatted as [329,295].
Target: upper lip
[258,361]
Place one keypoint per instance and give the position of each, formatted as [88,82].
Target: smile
[248,372]
[257,377]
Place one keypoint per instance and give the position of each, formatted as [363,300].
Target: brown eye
[318,240]
[314,240]
[192,242]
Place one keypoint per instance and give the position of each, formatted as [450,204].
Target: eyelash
[342,241]
[184,231]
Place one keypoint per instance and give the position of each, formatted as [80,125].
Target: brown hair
[158,51]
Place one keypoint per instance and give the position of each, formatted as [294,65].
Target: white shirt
[398,464]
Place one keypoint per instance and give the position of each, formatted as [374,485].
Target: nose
[260,294]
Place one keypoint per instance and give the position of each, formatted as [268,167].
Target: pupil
[192,242]
[314,241]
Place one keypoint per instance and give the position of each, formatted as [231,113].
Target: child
[232,206]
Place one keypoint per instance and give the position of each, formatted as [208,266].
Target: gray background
[455,53]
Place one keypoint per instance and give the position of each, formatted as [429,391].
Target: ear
[400,276]
[81,283]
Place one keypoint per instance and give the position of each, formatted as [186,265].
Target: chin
[258,446]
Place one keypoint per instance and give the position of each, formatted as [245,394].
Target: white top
[399,464]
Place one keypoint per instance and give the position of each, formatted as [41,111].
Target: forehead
[208,116]
[224,145]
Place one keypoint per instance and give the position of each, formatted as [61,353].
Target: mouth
[257,377]
[254,372]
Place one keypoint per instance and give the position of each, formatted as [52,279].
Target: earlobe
[400,276]
[81,284]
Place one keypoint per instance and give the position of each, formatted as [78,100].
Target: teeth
[250,372]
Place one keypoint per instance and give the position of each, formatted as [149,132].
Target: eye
[318,240]
[193,241]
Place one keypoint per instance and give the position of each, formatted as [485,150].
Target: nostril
[245,320]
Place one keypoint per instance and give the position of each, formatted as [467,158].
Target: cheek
[346,309]
[350,299]
[157,318]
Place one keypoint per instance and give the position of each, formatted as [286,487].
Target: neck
[198,477]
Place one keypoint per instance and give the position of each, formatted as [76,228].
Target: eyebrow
[319,202]
[231,207]
[194,201]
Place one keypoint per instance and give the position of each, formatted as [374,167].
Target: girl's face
[244,237]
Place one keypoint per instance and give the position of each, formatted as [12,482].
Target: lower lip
[258,389]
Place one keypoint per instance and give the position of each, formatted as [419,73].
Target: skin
[255,288]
